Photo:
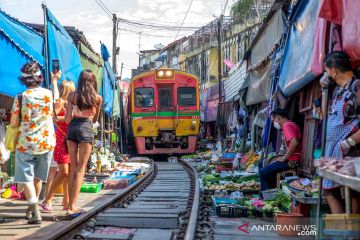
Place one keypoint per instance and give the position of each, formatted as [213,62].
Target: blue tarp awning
[18,45]
[296,69]
[62,47]
[107,91]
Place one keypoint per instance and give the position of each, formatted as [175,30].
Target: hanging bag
[11,135]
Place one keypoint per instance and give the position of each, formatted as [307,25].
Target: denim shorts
[81,130]
[30,166]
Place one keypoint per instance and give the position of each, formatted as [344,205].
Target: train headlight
[160,74]
[169,73]
[165,73]
[192,128]
[139,129]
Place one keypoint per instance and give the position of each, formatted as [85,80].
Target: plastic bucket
[59,189]
[288,223]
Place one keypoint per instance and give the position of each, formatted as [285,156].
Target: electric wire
[183,19]
[105,6]
[104,9]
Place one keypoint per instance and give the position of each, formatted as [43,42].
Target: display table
[303,200]
[344,180]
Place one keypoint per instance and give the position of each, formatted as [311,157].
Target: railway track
[161,205]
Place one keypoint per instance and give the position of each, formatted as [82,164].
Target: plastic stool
[283,174]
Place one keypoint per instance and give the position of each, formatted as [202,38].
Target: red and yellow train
[163,112]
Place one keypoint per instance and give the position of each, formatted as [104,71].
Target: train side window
[186,96]
[144,97]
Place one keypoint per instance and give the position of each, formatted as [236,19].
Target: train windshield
[187,96]
[144,97]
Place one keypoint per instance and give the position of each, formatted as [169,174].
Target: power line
[162,22]
[105,7]
[226,3]
[183,19]
[107,13]
[155,25]
[144,34]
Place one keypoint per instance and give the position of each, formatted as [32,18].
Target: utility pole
[115,24]
[114,67]
[121,111]
[219,55]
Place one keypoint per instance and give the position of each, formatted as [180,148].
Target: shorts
[337,192]
[30,166]
[81,130]
[53,163]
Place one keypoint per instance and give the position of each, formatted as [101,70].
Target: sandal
[45,208]
[70,216]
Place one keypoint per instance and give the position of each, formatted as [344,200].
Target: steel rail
[191,227]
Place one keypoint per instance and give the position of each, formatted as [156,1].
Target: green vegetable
[281,201]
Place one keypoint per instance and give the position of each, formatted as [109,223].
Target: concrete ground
[12,213]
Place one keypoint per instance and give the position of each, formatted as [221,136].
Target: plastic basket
[91,187]
[342,221]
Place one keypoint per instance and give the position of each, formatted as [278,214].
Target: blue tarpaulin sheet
[62,48]
[297,68]
[18,45]
[107,91]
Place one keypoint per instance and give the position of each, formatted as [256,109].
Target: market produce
[306,185]
[252,185]
[281,203]
[344,166]
[249,159]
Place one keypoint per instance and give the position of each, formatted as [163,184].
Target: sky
[88,17]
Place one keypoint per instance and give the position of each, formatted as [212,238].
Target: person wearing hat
[32,112]
[292,138]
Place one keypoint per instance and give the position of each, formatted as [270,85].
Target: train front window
[144,97]
[186,96]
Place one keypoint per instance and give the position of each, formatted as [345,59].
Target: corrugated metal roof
[233,84]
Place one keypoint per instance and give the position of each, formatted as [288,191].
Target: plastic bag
[4,153]
[236,161]
[11,138]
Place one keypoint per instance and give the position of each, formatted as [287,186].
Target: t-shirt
[36,133]
[291,131]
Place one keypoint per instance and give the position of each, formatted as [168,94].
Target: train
[162,112]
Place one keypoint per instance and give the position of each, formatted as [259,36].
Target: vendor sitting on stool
[292,136]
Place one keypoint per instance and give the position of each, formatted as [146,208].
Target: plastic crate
[342,221]
[229,155]
[269,194]
[90,187]
[219,200]
[219,169]
[227,211]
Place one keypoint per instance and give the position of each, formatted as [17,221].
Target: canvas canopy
[62,48]
[109,79]
[92,61]
[259,85]
[304,50]
[18,45]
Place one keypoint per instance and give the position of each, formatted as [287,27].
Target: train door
[165,98]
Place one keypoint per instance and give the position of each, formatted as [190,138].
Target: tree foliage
[241,8]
